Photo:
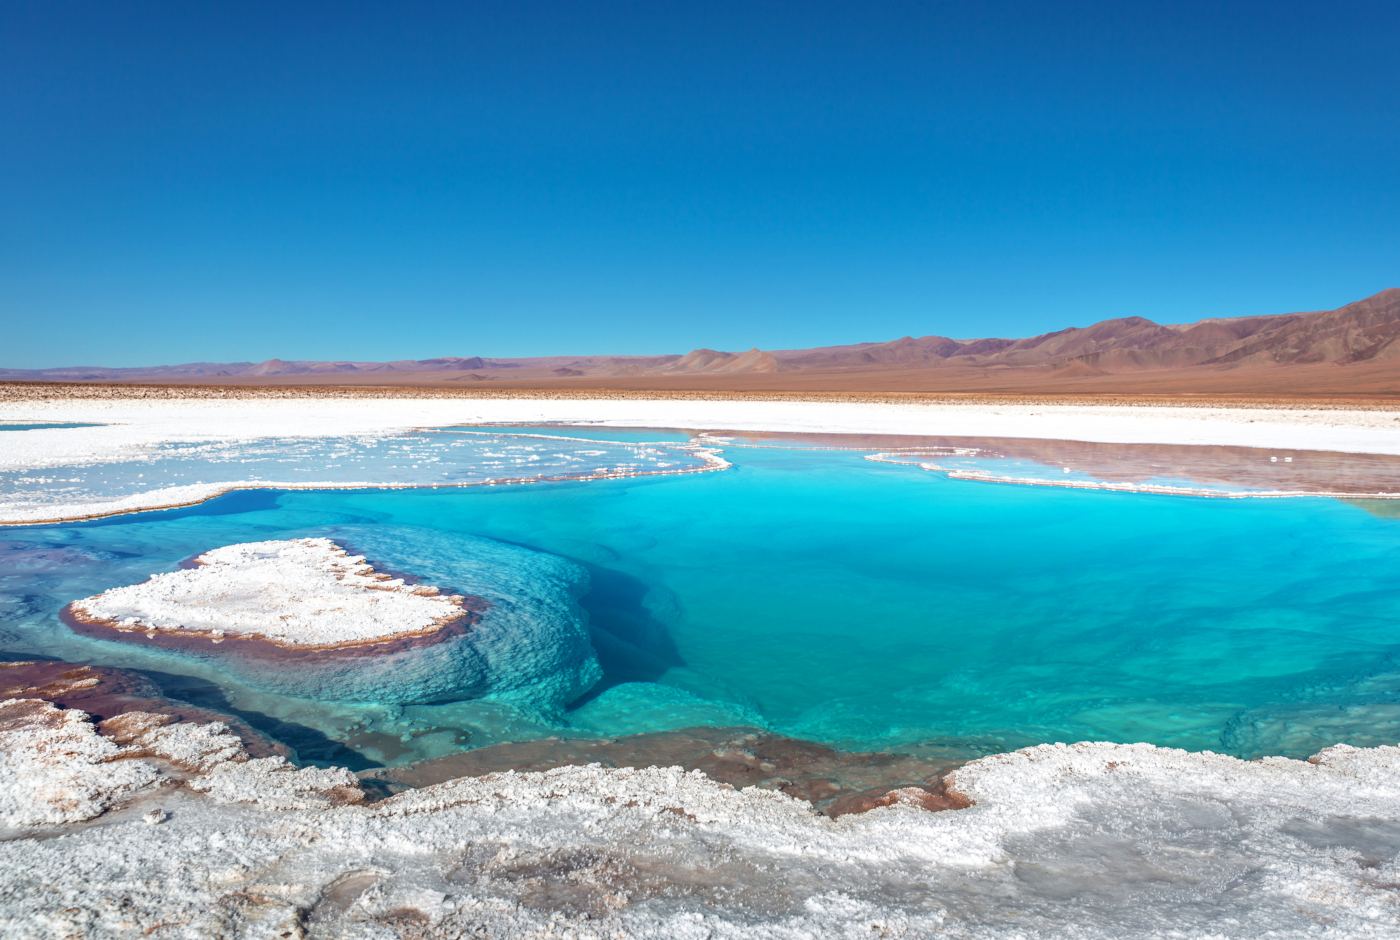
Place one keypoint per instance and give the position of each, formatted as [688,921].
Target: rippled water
[823,596]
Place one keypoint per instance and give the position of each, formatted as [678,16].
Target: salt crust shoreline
[181,497]
[194,838]
[296,594]
[899,458]
[128,428]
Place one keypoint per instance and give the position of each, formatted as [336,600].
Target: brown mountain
[710,361]
[1354,350]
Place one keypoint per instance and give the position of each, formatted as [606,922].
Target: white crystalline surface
[1085,840]
[131,426]
[305,592]
[165,473]
[53,769]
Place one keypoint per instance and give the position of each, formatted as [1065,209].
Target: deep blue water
[826,597]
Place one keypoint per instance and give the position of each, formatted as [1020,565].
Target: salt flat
[114,426]
[127,425]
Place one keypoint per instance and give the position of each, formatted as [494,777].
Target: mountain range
[1353,350]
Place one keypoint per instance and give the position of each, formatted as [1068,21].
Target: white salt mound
[300,593]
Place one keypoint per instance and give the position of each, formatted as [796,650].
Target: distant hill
[1354,350]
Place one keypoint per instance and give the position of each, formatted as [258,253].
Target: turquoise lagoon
[819,595]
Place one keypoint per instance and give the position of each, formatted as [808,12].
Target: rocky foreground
[144,823]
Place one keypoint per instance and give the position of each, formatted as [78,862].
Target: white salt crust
[298,593]
[54,769]
[1080,841]
[130,429]
[130,426]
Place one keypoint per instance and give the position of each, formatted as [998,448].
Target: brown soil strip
[848,391]
[835,782]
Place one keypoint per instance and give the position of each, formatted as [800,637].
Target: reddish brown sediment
[835,782]
[1384,508]
[109,694]
[927,798]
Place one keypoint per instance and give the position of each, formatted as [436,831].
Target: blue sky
[373,181]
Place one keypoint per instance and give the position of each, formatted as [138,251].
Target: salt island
[427,620]
[294,594]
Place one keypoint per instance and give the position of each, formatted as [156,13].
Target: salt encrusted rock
[190,747]
[55,768]
[134,701]
[272,783]
[307,593]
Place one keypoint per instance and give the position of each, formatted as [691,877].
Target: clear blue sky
[406,180]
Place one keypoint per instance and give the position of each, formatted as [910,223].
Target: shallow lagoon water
[826,597]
